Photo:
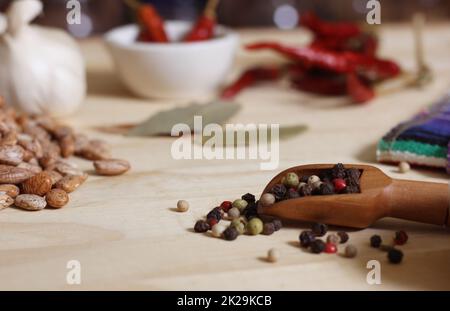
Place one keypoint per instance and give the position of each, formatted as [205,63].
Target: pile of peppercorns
[337,180]
[311,239]
[394,255]
[243,216]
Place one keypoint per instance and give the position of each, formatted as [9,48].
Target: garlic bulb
[41,69]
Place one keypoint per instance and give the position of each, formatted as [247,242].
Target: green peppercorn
[255,226]
[239,225]
[291,180]
[240,204]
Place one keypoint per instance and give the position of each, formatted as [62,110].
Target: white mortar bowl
[172,70]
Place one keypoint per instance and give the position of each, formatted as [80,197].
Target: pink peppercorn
[330,248]
[212,221]
[339,184]
[226,205]
[400,237]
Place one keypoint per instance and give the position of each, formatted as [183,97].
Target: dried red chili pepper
[152,25]
[205,25]
[251,77]
[323,83]
[341,62]
[328,29]
[366,44]
[359,91]
[307,56]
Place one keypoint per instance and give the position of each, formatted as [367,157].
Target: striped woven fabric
[422,140]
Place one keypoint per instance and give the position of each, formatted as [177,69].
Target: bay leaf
[162,122]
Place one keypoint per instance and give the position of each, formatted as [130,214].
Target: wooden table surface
[124,231]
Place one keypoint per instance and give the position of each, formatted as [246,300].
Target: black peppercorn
[395,255]
[230,234]
[353,175]
[215,213]
[326,188]
[325,175]
[277,224]
[386,248]
[269,228]
[279,191]
[317,246]
[201,226]
[292,194]
[343,237]
[250,198]
[306,190]
[319,229]
[338,171]
[306,238]
[304,179]
[251,210]
[375,241]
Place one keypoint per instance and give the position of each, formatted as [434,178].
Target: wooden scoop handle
[419,201]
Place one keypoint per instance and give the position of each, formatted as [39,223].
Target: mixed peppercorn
[311,239]
[337,180]
[394,255]
[233,218]
[243,216]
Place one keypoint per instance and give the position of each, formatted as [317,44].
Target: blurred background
[99,16]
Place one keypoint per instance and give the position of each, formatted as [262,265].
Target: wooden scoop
[381,196]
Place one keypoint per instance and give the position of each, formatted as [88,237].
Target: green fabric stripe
[413,147]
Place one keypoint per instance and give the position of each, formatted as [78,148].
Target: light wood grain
[126,235]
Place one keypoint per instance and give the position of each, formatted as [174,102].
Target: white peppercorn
[267,199]
[217,230]
[404,167]
[333,238]
[317,184]
[182,206]
[273,255]
[234,213]
[312,179]
[350,251]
